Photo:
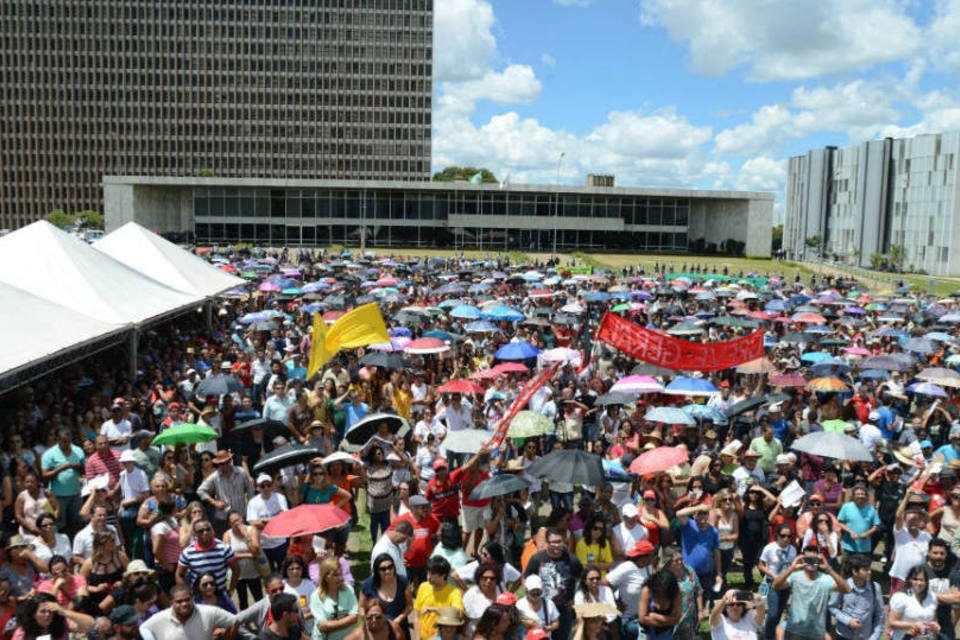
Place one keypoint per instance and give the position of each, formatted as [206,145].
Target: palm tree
[897,254]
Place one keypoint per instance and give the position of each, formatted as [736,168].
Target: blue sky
[686,93]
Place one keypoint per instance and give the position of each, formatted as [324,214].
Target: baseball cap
[532,583]
[629,510]
[642,548]
[124,614]
[817,497]
[750,453]
[438,464]
[783,459]
[649,494]
[536,633]
[418,501]
[507,598]
[873,416]
[926,444]
[127,456]
[264,477]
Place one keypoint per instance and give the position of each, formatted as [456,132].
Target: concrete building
[429,214]
[864,199]
[236,88]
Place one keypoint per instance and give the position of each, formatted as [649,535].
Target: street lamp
[556,204]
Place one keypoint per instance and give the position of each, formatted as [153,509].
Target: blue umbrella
[690,387]
[449,304]
[596,296]
[939,336]
[255,317]
[705,412]
[311,308]
[950,317]
[313,287]
[819,329]
[815,356]
[669,415]
[517,351]
[830,367]
[501,312]
[400,332]
[466,312]
[284,283]
[927,389]
[874,374]
[919,345]
[437,333]
[775,306]
[480,287]
[480,326]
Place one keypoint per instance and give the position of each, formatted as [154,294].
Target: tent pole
[132,344]
[208,311]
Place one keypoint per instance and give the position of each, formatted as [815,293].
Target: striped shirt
[213,560]
[98,465]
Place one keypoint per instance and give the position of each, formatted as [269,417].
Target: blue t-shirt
[67,482]
[697,546]
[355,413]
[885,423]
[781,429]
[948,452]
[859,521]
[807,617]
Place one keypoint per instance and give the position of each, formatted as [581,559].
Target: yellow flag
[358,328]
[318,346]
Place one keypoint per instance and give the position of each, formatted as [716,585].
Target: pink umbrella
[636,384]
[427,346]
[306,519]
[387,282]
[856,351]
[659,459]
[485,374]
[511,367]
[268,286]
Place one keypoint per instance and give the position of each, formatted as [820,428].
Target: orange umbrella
[827,385]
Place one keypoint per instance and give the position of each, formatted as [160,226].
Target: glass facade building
[337,89]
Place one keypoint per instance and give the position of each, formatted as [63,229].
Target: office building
[229,88]
[868,199]
[442,214]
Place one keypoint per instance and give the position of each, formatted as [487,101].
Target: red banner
[532,386]
[671,353]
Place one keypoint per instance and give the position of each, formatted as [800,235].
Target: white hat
[774,408]
[732,448]
[629,510]
[264,477]
[874,416]
[532,582]
[127,456]
[97,482]
[783,459]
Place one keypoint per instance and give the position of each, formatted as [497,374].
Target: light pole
[556,204]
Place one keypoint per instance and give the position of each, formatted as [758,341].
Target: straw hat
[596,610]
[904,455]
[450,617]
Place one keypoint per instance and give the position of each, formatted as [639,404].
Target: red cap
[537,633]
[119,401]
[439,463]
[507,599]
[816,496]
[642,548]
[174,405]
[724,384]
[649,493]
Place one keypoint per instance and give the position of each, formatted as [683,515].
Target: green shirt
[768,452]
[66,483]
[808,604]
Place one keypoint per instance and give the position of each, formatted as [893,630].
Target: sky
[709,94]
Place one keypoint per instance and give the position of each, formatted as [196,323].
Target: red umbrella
[511,367]
[229,268]
[426,346]
[306,519]
[485,374]
[332,316]
[659,459]
[787,380]
[461,386]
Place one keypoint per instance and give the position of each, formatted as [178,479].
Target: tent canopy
[163,261]
[52,265]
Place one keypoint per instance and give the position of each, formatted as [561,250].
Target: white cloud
[786,40]
[463,40]
[762,174]
[548,60]
[768,127]
[944,48]
[515,84]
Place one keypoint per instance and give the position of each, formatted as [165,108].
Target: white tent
[51,264]
[37,330]
[160,259]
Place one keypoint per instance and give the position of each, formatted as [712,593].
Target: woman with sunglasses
[592,589]
[729,618]
[374,624]
[320,490]
[297,582]
[205,591]
[388,588]
[50,543]
[822,536]
[593,547]
[725,517]
[489,578]
[244,539]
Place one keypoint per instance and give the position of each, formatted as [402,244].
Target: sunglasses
[784,535]
[275,590]
[385,567]
[203,530]
[374,617]
[814,503]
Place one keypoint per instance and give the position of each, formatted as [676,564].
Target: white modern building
[865,199]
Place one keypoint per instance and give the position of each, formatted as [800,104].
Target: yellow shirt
[591,553]
[427,596]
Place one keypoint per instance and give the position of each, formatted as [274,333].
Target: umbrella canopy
[941,376]
[218,385]
[385,360]
[185,433]
[271,428]
[466,312]
[364,429]
[647,369]
[501,312]
[827,444]
[510,367]
[659,459]
[636,384]
[761,365]
[467,440]
[569,465]
[516,351]
[461,386]
[690,387]
[927,389]
[529,424]
[886,363]
[827,385]
[286,456]
[560,354]
[705,412]
[425,346]
[479,326]
[746,405]
[669,415]
[307,519]
[614,397]
[501,484]
[788,380]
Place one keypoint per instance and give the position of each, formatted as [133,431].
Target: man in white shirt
[83,541]
[628,578]
[134,489]
[419,391]
[748,471]
[263,506]
[870,433]
[117,429]
[394,542]
[629,532]
[457,414]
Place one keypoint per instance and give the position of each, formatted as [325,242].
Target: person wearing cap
[951,450]
[535,610]
[700,542]
[749,472]
[628,532]
[443,491]
[61,468]
[22,567]
[425,528]
[226,489]
[134,489]
[117,427]
[126,622]
[268,504]
[888,492]
[627,578]
[910,539]
[432,596]
[806,519]
[870,434]
[782,475]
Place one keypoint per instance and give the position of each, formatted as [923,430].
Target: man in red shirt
[104,461]
[425,528]
[443,491]
[473,509]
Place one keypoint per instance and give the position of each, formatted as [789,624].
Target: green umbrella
[529,424]
[835,426]
[185,433]
[249,275]
[291,291]
[624,306]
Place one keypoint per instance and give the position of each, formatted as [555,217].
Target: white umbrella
[560,354]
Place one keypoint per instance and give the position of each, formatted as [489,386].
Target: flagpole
[556,204]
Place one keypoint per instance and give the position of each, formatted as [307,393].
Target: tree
[59,218]
[876,260]
[776,242]
[457,174]
[856,254]
[205,172]
[898,254]
[89,218]
[815,243]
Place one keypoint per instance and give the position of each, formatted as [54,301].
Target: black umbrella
[646,369]
[364,429]
[271,428]
[569,465]
[286,456]
[218,385]
[798,338]
[385,360]
[614,398]
[499,485]
[746,405]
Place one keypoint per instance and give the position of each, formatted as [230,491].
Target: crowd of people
[749,534]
